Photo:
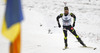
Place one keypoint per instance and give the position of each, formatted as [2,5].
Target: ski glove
[59,25]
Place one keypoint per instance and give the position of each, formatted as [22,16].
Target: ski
[94,48]
[65,48]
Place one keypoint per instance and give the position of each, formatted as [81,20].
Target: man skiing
[66,18]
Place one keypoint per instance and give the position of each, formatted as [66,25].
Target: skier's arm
[74,18]
[59,16]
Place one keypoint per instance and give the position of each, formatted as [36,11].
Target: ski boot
[65,46]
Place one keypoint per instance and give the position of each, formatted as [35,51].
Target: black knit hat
[66,8]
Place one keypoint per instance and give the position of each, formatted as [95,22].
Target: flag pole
[16,45]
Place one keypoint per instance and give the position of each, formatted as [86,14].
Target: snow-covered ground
[40,33]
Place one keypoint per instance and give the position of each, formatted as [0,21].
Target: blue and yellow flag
[13,17]
[11,28]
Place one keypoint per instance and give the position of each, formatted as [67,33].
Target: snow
[40,33]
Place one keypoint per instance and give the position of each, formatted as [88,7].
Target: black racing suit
[70,28]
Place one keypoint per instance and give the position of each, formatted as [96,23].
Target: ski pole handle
[65,3]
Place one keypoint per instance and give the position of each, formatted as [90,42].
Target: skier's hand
[74,24]
[59,25]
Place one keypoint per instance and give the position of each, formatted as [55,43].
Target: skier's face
[66,11]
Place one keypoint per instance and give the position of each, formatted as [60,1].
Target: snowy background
[40,33]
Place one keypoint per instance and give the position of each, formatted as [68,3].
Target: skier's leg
[65,37]
[72,30]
